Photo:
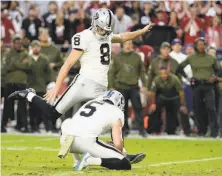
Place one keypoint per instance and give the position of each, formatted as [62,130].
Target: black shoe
[134,159]
[3,130]
[22,94]
[143,134]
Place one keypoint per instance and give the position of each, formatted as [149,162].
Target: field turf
[37,156]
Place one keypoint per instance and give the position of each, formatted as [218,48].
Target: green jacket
[3,60]
[41,73]
[125,71]
[167,89]
[203,66]
[157,63]
[17,67]
[54,56]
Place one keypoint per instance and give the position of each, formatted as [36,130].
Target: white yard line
[29,148]
[22,140]
[12,141]
[180,162]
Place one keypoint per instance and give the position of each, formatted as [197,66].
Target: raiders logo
[96,16]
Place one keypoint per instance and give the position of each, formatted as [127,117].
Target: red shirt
[6,29]
[147,51]
[188,38]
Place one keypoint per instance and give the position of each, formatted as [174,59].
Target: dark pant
[8,112]
[133,94]
[220,114]
[204,98]
[188,97]
[36,116]
[155,122]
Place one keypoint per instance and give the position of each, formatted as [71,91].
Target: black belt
[195,82]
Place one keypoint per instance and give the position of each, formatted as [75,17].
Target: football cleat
[134,159]
[83,163]
[22,94]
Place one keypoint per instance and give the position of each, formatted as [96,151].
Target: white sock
[76,157]
[30,96]
[94,161]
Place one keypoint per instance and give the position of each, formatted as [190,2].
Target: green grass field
[37,156]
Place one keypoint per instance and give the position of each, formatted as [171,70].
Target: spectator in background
[176,54]
[147,13]
[54,56]
[210,10]
[84,21]
[17,67]
[146,51]
[60,29]
[78,21]
[31,24]
[7,28]
[220,102]
[51,51]
[122,21]
[65,9]
[50,17]
[180,57]
[167,92]
[73,22]
[161,6]
[174,22]
[25,44]
[4,51]
[71,5]
[204,68]
[93,7]
[164,59]
[179,33]
[161,19]
[135,9]
[38,79]
[16,15]
[189,49]
[213,33]
[125,71]
[180,7]
[212,51]
[191,25]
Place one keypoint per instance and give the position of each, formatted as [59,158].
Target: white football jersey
[93,119]
[96,57]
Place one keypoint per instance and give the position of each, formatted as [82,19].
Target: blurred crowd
[35,41]
[191,19]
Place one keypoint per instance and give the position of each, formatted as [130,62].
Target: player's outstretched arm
[123,37]
[117,135]
[73,57]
